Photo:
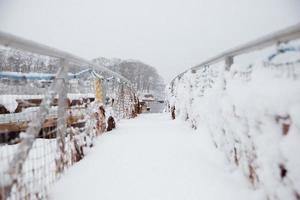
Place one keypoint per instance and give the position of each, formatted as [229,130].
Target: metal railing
[282,36]
[13,41]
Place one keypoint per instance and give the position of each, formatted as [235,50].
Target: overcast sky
[171,35]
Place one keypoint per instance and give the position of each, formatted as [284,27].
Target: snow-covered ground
[153,157]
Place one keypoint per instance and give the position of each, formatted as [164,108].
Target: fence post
[228,62]
[61,113]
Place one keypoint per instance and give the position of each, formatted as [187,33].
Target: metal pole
[61,112]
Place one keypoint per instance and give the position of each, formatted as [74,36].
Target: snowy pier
[229,128]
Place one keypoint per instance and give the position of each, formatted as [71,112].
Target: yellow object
[98,91]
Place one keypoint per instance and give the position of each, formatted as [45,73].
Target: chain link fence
[247,101]
[48,121]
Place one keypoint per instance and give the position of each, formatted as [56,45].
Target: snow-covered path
[152,158]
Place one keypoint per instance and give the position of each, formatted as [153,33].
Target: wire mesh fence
[248,109]
[49,120]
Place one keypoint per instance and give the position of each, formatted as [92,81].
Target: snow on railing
[48,120]
[248,100]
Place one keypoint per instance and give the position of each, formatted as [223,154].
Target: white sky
[171,35]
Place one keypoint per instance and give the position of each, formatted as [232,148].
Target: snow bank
[252,114]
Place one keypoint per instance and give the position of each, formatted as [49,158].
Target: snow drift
[252,113]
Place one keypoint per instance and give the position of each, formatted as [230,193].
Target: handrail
[10,40]
[284,35]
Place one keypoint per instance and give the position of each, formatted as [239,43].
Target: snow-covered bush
[252,113]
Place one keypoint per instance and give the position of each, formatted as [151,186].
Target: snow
[42,154]
[40,169]
[245,110]
[10,101]
[153,157]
